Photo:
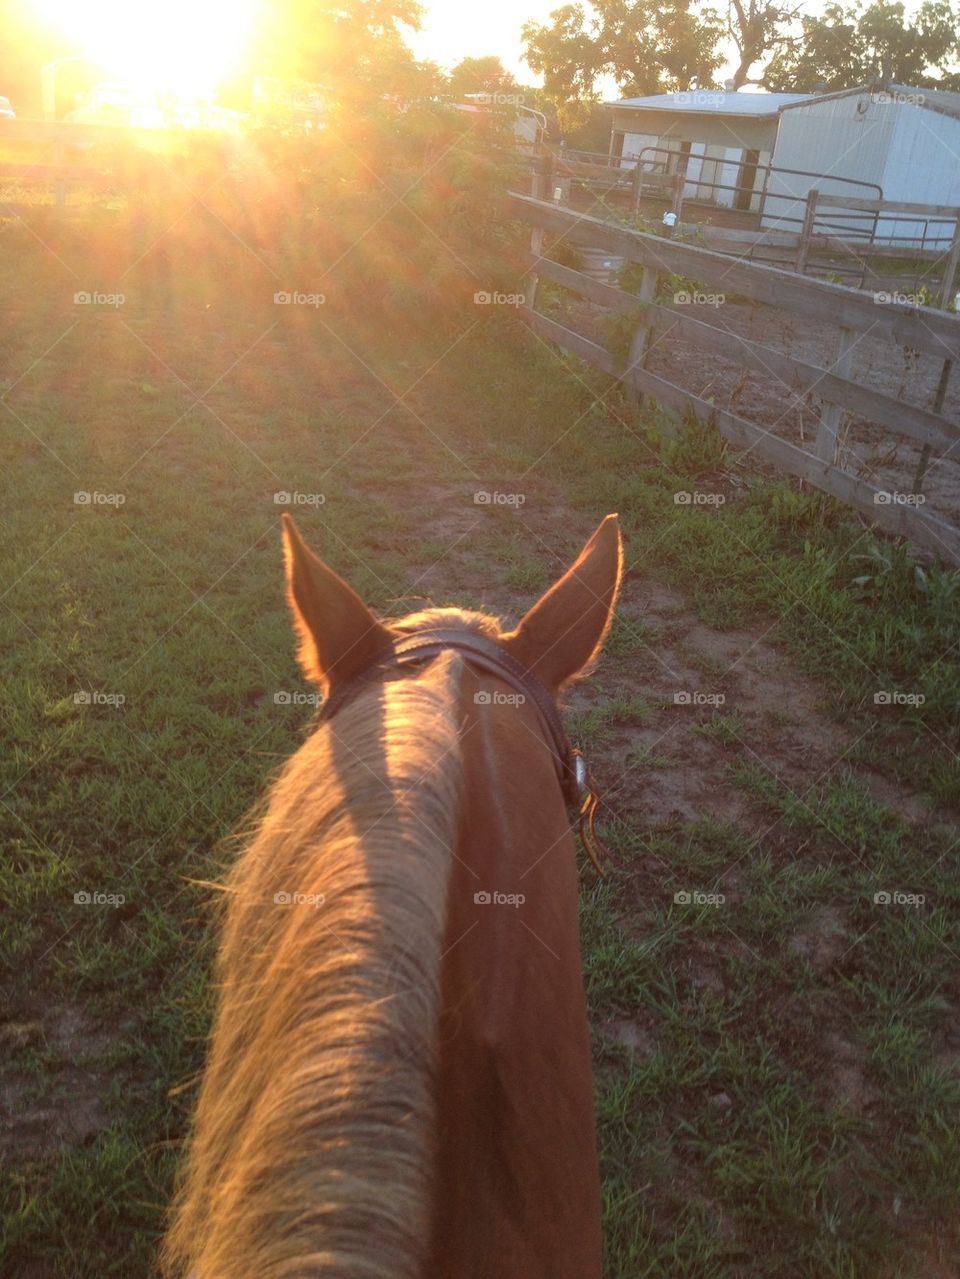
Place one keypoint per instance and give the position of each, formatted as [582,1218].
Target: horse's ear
[566,628]
[339,635]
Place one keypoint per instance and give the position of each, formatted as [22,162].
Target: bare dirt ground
[871,452]
[787,725]
[72,1107]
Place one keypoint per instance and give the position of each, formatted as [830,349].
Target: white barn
[905,141]
[720,139]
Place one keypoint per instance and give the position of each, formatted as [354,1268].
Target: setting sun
[183,47]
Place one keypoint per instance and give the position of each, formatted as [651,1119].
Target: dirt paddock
[872,452]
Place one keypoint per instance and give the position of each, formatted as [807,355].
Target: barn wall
[846,137]
[695,126]
[923,165]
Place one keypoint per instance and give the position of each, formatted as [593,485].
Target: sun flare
[183,47]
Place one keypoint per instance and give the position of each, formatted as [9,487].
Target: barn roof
[714,102]
[944,101]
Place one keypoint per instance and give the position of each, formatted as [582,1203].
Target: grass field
[777,1047]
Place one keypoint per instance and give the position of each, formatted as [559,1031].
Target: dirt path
[782,718]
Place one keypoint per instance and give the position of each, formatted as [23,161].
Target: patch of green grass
[726,1146]
[644,758]
[591,726]
[726,728]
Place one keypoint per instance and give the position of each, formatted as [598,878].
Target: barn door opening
[746,181]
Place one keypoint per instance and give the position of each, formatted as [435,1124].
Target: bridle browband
[490,656]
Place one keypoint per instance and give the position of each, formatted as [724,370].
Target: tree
[355,47]
[756,28]
[480,75]
[644,46]
[854,45]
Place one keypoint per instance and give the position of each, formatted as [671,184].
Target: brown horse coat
[399,1083]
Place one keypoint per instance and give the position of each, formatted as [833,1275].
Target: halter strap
[491,656]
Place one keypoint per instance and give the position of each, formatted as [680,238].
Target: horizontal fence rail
[914,328]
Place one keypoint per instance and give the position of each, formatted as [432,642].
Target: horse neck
[516,1121]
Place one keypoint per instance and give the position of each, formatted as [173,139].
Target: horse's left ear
[339,636]
[566,628]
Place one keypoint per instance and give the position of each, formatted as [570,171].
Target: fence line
[917,328]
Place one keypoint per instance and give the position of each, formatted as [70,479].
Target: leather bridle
[488,655]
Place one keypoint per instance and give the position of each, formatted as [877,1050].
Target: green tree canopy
[645,46]
[480,75]
[852,45]
[356,47]
[648,48]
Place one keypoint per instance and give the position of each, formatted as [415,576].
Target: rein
[576,782]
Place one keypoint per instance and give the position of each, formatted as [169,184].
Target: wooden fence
[919,328]
[825,246]
[607,176]
[56,157]
[827,240]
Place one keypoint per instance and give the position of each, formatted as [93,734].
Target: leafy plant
[688,444]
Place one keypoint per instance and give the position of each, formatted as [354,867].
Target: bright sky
[182,44]
[453,30]
[189,44]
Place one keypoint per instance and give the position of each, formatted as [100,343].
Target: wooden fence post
[809,218]
[61,186]
[678,195]
[829,429]
[541,188]
[640,345]
[950,267]
[947,284]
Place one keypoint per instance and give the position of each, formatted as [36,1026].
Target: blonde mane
[312,1152]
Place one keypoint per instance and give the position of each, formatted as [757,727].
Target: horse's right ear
[339,636]
[565,629]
